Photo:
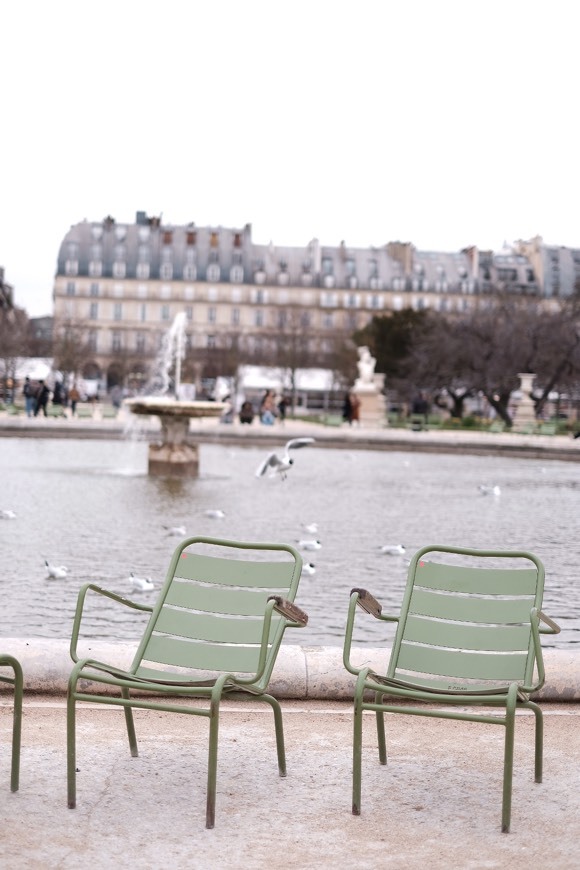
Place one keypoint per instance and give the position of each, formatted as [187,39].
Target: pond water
[91,506]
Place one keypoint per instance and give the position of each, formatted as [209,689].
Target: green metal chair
[214,630]
[17,682]
[468,634]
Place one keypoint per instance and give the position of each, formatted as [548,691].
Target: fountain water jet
[177,454]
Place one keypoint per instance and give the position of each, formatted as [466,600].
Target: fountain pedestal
[177,455]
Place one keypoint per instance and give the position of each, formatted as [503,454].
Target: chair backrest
[465,621]
[209,616]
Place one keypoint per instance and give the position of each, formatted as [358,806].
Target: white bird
[311,528]
[280,465]
[393,549]
[7,515]
[141,584]
[308,568]
[57,572]
[215,514]
[310,545]
[489,490]
[175,530]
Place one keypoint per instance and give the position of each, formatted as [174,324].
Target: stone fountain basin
[171,408]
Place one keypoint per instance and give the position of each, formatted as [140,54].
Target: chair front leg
[130,725]
[71,746]
[508,764]
[357,745]
[539,741]
[381,730]
[279,726]
[16,724]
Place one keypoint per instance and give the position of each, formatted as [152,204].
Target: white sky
[440,122]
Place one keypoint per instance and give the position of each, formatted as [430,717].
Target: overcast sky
[440,122]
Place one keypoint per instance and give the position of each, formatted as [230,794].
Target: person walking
[42,397]
[74,397]
[29,398]
[347,409]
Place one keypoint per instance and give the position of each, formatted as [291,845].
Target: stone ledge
[301,672]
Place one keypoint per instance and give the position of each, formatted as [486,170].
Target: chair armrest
[290,610]
[368,602]
[553,627]
[106,593]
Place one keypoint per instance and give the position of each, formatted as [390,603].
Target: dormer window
[167,237]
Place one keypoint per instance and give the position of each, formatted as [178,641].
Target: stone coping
[301,672]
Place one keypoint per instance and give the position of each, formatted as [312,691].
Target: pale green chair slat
[243,602]
[488,610]
[460,636]
[212,620]
[471,665]
[204,656]
[467,636]
[206,626]
[485,581]
[234,572]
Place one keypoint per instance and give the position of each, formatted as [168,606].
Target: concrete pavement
[436,804]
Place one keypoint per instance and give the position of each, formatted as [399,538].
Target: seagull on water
[7,515]
[310,545]
[175,530]
[393,549]
[215,514]
[56,572]
[489,490]
[281,464]
[141,584]
[308,568]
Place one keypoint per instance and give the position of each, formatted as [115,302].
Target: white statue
[366,367]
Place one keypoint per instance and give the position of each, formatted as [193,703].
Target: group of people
[271,409]
[36,397]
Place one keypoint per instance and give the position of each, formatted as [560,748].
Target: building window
[165,313]
[166,291]
[327,266]
[142,270]
[95,269]
[213,272]
[189,312]
[375,301]
[118,290]
[118,311]
[119,270]
[328,320]
[94,289]
[191,237]
[282,318]
[92,340]
[259,317]
[166,271]
[71,267]
[237,274]
[142,291]
[190,272]
[211,342]
[305,319]
[235,316]
[143,313]
[70,288]
[167,237]
[236,294]
[116,343]
[328,300]
[140,342]
[212,294]
[211,314]
[143,254]
[94,311]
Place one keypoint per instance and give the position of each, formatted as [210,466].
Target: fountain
[177,454]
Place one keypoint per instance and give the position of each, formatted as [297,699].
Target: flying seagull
[281,464]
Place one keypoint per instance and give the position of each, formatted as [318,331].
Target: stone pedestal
[177,455]
[372,401]
[524,413]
